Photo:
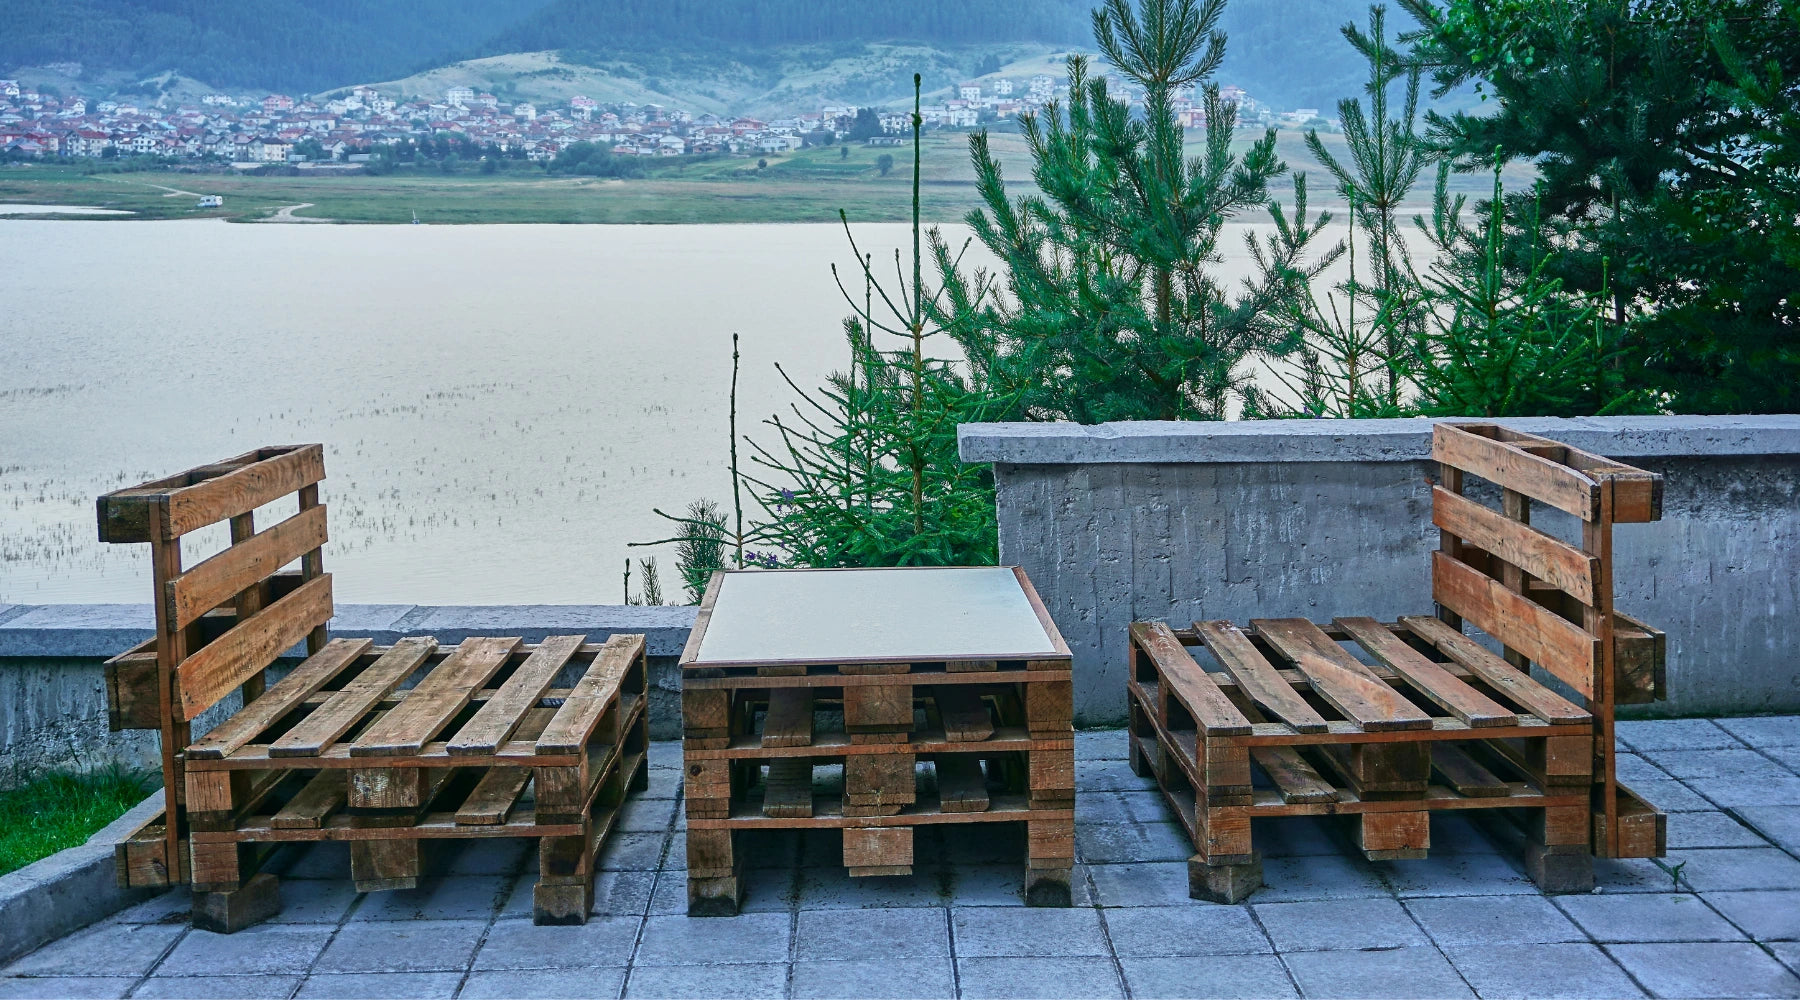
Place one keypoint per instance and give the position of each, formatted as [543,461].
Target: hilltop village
[357,125]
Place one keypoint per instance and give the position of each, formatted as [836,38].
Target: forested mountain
[277,44]
[1286,52]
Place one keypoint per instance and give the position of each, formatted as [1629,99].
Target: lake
[501,406]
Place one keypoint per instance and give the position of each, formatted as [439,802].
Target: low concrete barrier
[53,691]
[1196,520]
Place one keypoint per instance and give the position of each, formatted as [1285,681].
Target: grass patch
[63,809]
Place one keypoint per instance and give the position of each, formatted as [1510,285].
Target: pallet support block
[229,912]
[1230,883]
[878,850]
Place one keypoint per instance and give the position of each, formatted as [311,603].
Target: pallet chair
[1387,723]
[339,748]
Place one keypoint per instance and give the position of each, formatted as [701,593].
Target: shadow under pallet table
[944,695]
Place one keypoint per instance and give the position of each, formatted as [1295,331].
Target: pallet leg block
[381,865]
[1047,887]
[715,895]
[1393,836]
[878,850]
[1560,869]
[562,903]
[229,912]
[1224,883]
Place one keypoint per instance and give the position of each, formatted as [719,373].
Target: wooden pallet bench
[380,747]
[1386,723]
[875,747]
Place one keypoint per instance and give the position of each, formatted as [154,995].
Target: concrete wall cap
[1387,440]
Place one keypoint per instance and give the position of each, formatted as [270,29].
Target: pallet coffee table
[954,693]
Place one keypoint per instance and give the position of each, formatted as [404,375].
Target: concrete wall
[1318,518]
[53,691]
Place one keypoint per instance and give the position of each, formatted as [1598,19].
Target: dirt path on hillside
[286,214]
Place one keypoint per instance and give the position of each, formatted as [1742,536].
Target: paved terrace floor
[1720,917]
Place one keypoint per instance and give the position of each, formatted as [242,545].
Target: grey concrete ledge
[1397,440]
[103,630]
[69,889]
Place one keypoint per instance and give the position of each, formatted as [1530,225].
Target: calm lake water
[501,406]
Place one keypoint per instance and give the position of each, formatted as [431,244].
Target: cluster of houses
[355,125]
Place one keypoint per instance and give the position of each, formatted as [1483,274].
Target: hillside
[739,56]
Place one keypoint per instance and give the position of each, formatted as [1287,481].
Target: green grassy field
[60,810]
[802,186]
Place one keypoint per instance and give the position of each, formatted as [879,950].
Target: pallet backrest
[1545,600]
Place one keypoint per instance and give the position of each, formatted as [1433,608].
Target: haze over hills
[726,56]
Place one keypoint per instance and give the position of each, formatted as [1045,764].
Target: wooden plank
[225,575]
[1544,637]
[430,706]
[243,490]
[1212,711]
[789,721]
[493,797]
[315,803]
[1339,678]
[305,680]
[345,708]
[1297,780]
[1512,467]
[1475,709]
[1497,673]
[1637,494]
[1543,556]
[964,713]
[495,721]
[225,663]
[125,515]
[961,785]
[1463,773]
[788,789]
[568,732]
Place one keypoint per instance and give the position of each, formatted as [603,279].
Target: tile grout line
[343,920]
[487,930]
[163,956]
[1112,952]
[656,880]
[1280,957]
[1435,946]
[1556,903]
[955,960]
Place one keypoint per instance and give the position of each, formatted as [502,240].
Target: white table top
[873,615]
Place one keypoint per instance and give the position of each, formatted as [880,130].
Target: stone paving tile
[1669,795]
[616,894]
[983,844]
[1689,830]
[121,949]
[1631,875]
[1766,731]
[1736,868]
[1151,807]
[1046,978]
[1456,875]
[1541,971]
[834,889]
[1338,925]
[1780,824]
[1777,788]
[520,944]
[766,890]
[647,816]
[1297,837]
[379,986]
[1651,735]
[1004,885]
[1114,843]
[1648,917]
[1470,920]
[707,982]
[1179,931]
[314,901]
[1765,916]
[1155,883]
[173,906]
[1331,876]
[1691,765]
[217,987]
[402,946]
[1451,834]
[894,935]
[916,979]
[261,950]
[1109,776]
[1720,969]
[746,939]
[566,984]
[1000,931]
[1421,972]
[1788,954]
[472,897]
[66,987]
[1104,744]
[324,860]
[1214,977]
[641,852]
[490,856]
[1107,807]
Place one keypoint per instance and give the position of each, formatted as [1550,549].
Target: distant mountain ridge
[1284,52]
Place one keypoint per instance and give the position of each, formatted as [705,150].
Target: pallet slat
[1256,676]
[1544,637]
[495,721]
[430,706]
[1338,678]
[1475,709]
[346,707]
[242,565]
[1497,673]
[228,661]
[574,722]
[306,679]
